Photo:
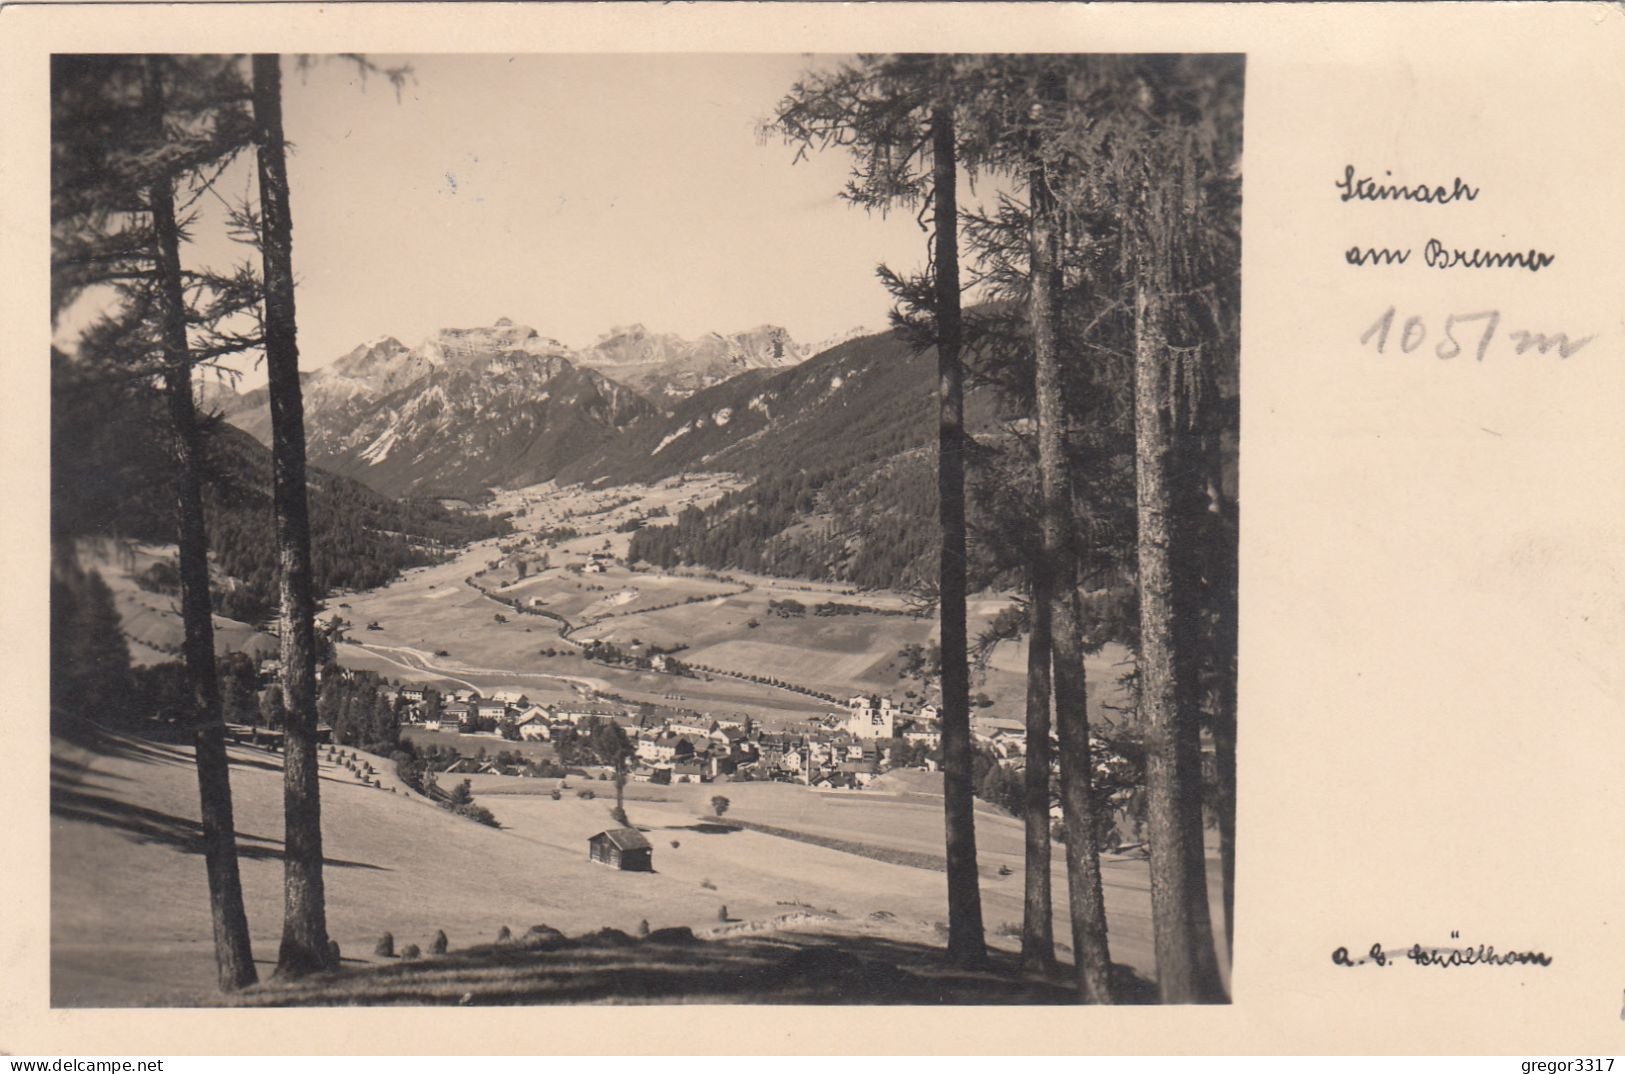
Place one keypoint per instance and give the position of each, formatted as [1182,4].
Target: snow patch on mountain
[379,449]
[666,441]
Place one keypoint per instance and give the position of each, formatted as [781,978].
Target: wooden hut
[622,848]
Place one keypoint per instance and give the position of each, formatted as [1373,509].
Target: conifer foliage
[1106,262]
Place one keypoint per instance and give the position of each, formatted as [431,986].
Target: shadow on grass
[239,761]
[776,968]
[74,772]
[73,784]
[153,826]
[157,746]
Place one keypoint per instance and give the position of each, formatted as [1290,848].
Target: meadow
[130,921]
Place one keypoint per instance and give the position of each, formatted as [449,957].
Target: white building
[868,718]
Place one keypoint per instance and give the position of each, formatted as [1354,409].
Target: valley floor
[455,624]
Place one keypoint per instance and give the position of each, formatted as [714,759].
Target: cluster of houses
[838,750]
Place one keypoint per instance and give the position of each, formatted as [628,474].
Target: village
[836,751]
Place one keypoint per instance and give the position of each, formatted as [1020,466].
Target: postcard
[1099,526]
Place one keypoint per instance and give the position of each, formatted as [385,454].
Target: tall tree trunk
[620,790]
[1211,536]
[1193,533]
[966,943]
[1181,923]
[304,925]
[1085,898]
[1225,621]
[233,954]
[1038,914]
[1224,757]
[1190,532]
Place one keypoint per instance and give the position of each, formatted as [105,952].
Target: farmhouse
[1010,742]
[735,745]
[927,736]
[857,774]
[771,750]
[533,725]
[664,747]
[622,848]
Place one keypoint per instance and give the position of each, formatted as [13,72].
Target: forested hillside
[111,476]
[843,452]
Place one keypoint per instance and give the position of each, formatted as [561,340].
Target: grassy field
[838,655]
[616,592]
[901,818]
[129,914]
[471,745]
[129,907]
[1005,680]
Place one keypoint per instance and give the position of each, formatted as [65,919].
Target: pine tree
[304,947]
[1037,919]
[1179,242]
[1057,570]
[117,157]
[897,116]
[90,658]
[233,954]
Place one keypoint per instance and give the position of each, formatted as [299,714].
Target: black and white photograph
[677,528]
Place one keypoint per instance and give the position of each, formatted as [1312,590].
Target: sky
[573,193]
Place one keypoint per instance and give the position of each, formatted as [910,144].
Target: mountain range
[503,405]
[667,368]
[838,441]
